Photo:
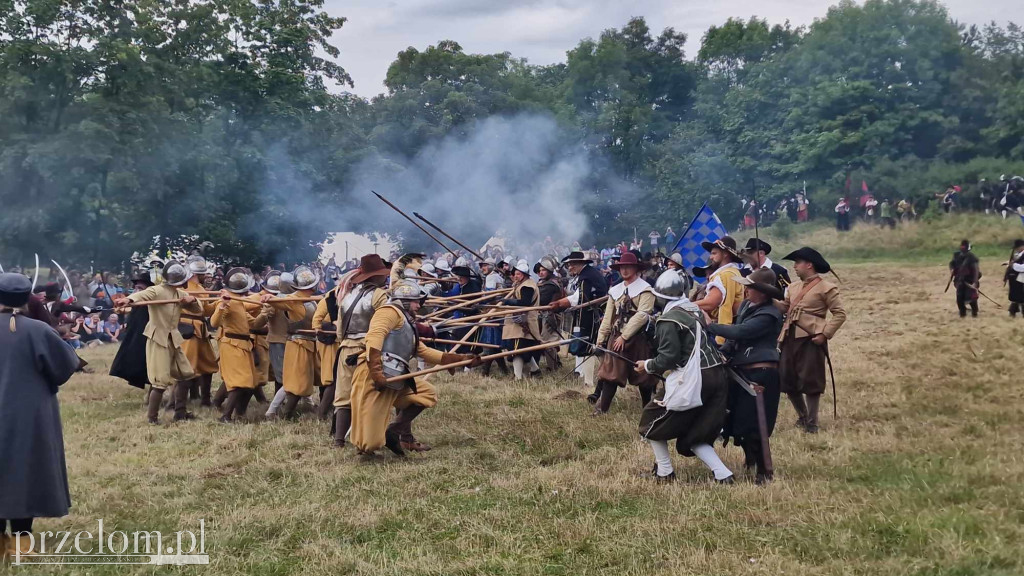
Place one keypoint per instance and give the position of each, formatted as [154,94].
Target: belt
[758,365]
[260,332]
[193,316]
[302,337]
[233,336]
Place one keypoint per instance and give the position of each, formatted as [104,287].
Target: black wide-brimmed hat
[576,256]
[463,271]
[755,244]
[763,280]
[699,272]
[821,266]
[726,244]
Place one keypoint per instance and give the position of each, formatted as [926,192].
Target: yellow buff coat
[351,347]
[732,298]
[236,362]
[301,364]
[261,347]
[371,408]
[165,361]
[199,348]
[326,352]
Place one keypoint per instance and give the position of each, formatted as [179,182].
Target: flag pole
[695,216]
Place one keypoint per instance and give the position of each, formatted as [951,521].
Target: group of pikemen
[724,353]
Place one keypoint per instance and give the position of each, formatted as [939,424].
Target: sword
[835,401]
[762,419]
[998,305]
[615,354]
[66,279]
[948,284]
[35,279]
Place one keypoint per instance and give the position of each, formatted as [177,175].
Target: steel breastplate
[305,323]
[398,349]
[360,302]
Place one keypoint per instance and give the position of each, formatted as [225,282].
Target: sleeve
[598,286]
[55,360]
[380,298]
[674,344]
[752,327]
[574,298]
[431,355]
[645,306]
[192,307]
[606,323]
[217,317]
[144,295]
[290,306]
[320,314]
[525,298]
[835,306]
[1018,267]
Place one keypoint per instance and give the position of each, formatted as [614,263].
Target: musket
[414,223]
[448,236]
[462,363]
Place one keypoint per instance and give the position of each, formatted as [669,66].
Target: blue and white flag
[705,227]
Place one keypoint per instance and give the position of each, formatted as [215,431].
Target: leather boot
[193,388]
[749,455]
[797,400]
[405,418]
[220,396]
[761,474]
[486,371]
[342,422]
[392,442]
[596,395]
[608,390]
[646,393]
[181,391]
[260,395]
[326,403]
[503,366]
[153,408]
[242,406]
[229,406]
[813,401]
[205,384]
[287,410]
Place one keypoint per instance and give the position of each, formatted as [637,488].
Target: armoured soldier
[391,344]
[301,364]
[550,321]
[325,320]
[363,294]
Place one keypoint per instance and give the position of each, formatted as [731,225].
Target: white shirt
[767,264]
[716,281]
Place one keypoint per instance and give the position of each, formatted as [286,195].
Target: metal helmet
[670,285]
[523,266]
[407,290]
[428,268]
[272,283]
[198,265]
[409,273]
[238,280]
[304,278]
[546,262]
[287,283]
[442,265]
[176,274]
[461,261]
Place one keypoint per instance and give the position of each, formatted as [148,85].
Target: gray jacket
[753,337]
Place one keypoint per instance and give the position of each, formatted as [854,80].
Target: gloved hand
[375,363]
[424,330]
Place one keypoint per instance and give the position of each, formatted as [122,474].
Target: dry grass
[920,475]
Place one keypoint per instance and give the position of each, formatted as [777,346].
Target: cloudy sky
[543,30]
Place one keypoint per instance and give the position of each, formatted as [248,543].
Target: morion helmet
[176,274]
[238,280]
[304,278]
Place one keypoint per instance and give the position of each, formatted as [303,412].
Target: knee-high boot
[181,390]
[228,406]
[646,393]
[326,402]
[403,425]
[259,394]
[287,410]
[205,385]
[193,388]
[797,400]
[153,407]
[243,402]
[608,390]
[342,422]
[220,396]
[813,401]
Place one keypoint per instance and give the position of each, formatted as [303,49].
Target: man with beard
[755,256]
[722,295]
[752,349]
[966,274]
[806,332]
[629,309]
[391,344]
[550,322]
[685,352]
[587,284]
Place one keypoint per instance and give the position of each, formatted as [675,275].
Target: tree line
[125,122]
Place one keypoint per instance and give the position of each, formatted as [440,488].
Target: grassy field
[920,475]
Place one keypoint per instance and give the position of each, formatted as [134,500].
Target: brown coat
[809,315]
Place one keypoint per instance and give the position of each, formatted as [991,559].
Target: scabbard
[835,401]
[762,428]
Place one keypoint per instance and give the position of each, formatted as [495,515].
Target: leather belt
[193,317]
[234,336]
[259,332]
[758,365]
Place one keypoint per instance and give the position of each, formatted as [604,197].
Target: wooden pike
[475,344]
[483,358]
[414,223]
[498,314]
[448,236]
[465,339]
[457,297]
[436,313]
[429,279]
[586,304]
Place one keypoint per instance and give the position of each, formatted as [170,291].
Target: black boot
[205,385]
[181,391]
[260,395]
[153,407]
[503,366]
[326,402]
[243,402]
[193,388]
[229,406]
[287,410]
[220,396]
[593,398]
[342,422]
[486,371]
[392,442]
[646,393]
[608,390]
[749,456]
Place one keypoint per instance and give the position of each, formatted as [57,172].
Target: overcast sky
[543,30]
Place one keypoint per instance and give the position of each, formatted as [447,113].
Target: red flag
[863,185]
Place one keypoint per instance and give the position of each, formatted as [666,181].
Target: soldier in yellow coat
[361,295]
[301,364]
[391,346]
[723,294]
[233,320]
[199,348]
[325,318]
[166,364]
